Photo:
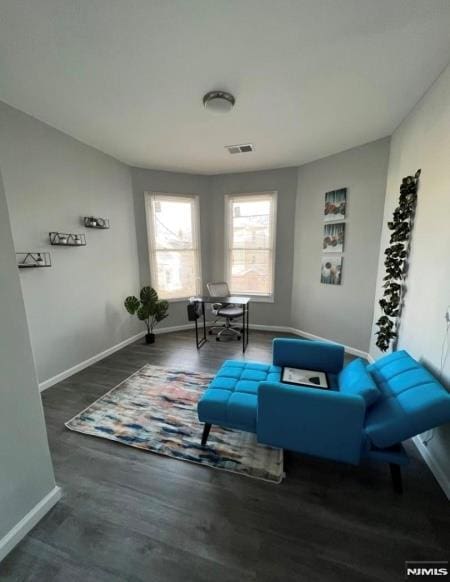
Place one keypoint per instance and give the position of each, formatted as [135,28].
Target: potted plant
[149,309]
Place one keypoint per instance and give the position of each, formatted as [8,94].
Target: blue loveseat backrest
[411,402]
[308,354]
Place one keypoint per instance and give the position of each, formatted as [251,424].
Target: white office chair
[227,311]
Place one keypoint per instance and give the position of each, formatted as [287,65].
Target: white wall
[341,313]
[74,309]
[26,473]
[423,141]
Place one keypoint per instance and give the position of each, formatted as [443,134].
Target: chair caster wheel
[217,339]
[210,332]
[239,337]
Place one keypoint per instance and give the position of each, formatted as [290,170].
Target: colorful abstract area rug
[155,409]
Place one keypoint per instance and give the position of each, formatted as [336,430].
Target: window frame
[151,239]
[257,297]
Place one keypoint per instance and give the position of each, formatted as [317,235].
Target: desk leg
[196,331]
[202,340]
[248,324]
[245,328]
[204,323]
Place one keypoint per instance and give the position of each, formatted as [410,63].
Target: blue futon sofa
[367,412]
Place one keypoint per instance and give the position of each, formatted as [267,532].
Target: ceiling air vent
[240,149]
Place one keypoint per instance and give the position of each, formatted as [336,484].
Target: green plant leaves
[131,304]
[143,312]
[396,262]
[149,308]
[161,308]
[148,295]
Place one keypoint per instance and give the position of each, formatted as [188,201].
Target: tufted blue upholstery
[412,400]
[231,398]
[368,412]
[355,379]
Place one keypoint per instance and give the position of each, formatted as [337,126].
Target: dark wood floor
[133,516]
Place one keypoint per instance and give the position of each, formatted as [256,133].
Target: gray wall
[299,298]
[341,313]
[26,474]
[285,182]
[75,309]
[423,141]
[171,183]
[211,190]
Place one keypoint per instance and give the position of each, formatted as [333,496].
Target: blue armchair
[367,412]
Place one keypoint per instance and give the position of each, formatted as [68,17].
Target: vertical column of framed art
[334,215]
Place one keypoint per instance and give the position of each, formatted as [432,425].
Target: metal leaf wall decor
[396,263]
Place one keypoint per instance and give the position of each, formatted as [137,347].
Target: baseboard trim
[86,363]
[307,335]
[433,465]
[172,328]
[282,328]
[100,356]
[26,524]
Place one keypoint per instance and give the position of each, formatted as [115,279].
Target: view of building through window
[174,245]
[251,227]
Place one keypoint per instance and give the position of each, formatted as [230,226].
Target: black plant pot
[149,338]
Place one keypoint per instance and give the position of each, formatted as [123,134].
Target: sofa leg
[396,477]
[205,435]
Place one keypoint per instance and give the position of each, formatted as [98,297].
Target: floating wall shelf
[67,240]
[96,222]
[33,260]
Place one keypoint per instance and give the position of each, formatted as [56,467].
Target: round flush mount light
[219,101]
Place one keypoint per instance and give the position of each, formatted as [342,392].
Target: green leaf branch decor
[148,308]
[396,263]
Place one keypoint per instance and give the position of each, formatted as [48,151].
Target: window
[174,245]
[250,244]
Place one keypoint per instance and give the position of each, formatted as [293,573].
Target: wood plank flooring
[127,515]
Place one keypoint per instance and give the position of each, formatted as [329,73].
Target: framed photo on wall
[335,205]
[333,237]
[331,271]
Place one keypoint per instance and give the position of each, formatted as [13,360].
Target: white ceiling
[310,77]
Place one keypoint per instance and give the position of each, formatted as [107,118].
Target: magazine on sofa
[300,377]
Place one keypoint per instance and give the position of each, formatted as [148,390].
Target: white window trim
[256,297]
[170,196]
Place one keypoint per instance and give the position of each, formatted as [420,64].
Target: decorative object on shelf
[149,309]
[331,271]
[33,260]
[333,237]
[67,239]
[396,263]
[96,222]
[335,205]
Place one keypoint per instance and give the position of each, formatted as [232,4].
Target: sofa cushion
[355,379]
[412,400]
[232,397]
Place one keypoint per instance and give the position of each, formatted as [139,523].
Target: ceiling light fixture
[219,101]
